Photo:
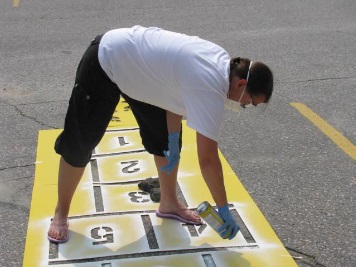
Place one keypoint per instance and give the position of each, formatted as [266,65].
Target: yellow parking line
[16,3]
[340,140]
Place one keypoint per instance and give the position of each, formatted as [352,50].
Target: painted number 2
[131,166]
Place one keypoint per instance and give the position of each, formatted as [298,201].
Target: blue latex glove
[230,226]
[173,153]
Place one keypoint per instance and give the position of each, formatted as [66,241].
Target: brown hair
[260,80]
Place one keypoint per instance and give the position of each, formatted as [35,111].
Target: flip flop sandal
[175,217]
[61,228]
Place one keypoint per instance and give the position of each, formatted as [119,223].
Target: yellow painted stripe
[134,236]
[340,140]
[16,3]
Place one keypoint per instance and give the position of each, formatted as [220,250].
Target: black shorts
[153,126]
[91,105]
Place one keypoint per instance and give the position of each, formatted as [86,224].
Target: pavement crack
[33,118]
[12,206]
[320,79]
[43,102]
[29,117]
[305,258]
[16,179]
[14,167]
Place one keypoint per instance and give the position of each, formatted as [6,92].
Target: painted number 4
[195,231]
[139,197]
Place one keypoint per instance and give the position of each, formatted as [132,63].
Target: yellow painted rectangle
[126,231]
[122,116]
[125,198]
[120,140]
[126,167]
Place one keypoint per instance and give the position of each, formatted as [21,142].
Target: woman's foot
[178,212]
[58,231]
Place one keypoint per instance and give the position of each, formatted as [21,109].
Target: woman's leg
[154,133]
[68,180]
[92,103]
[169,203]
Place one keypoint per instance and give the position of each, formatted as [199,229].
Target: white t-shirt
[184,74]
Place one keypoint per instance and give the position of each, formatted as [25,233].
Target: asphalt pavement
[303,182]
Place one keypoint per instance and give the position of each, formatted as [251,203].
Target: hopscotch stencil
[113,223]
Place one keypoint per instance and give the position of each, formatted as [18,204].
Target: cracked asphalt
[302,181]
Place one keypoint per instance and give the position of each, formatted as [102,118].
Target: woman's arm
[211,169]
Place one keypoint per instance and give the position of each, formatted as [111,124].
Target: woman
[163,76]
